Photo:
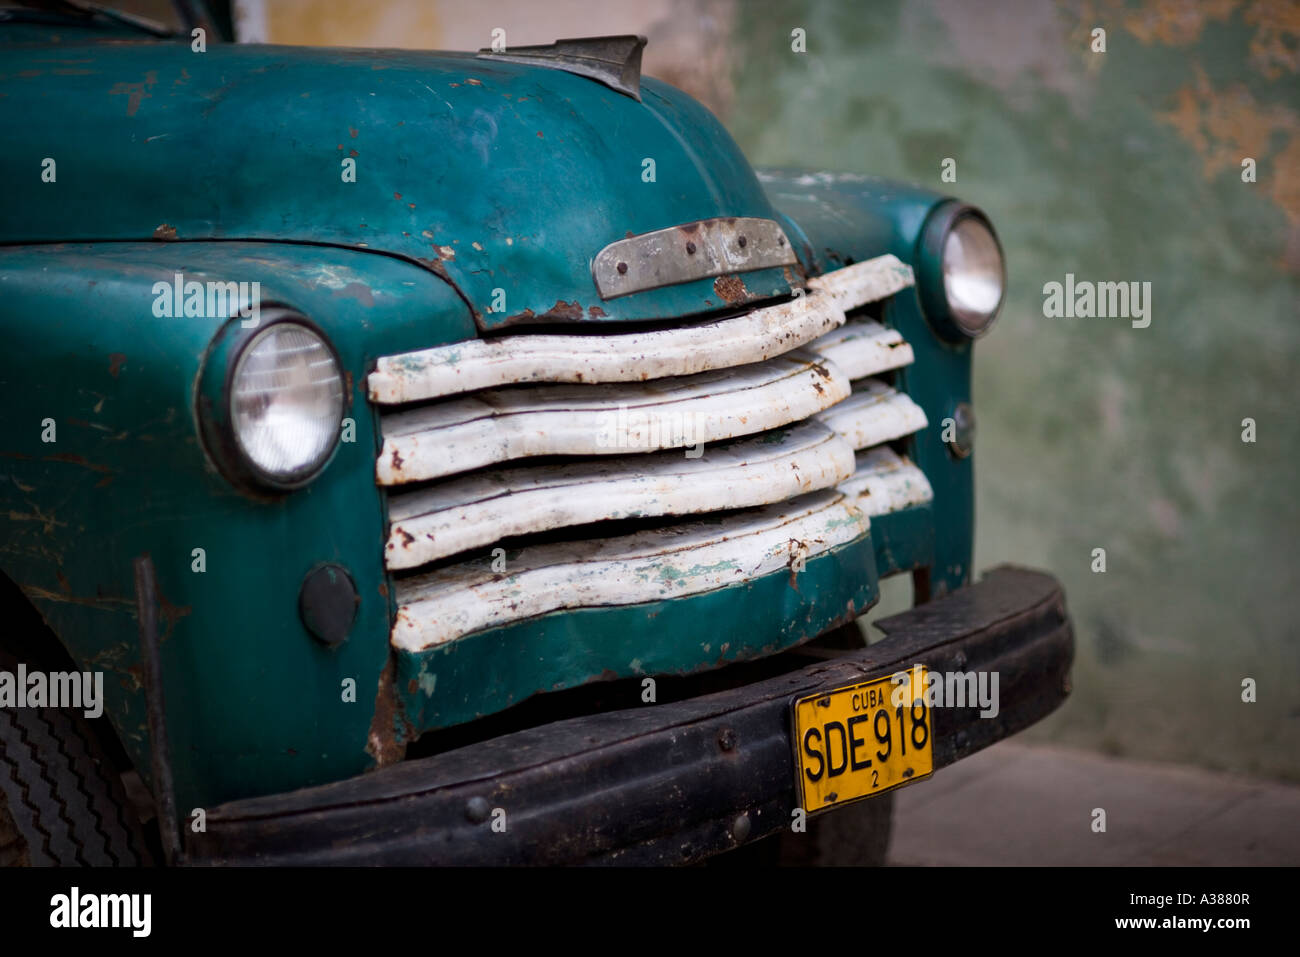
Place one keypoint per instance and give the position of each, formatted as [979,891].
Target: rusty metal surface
[610,788]
[699,250]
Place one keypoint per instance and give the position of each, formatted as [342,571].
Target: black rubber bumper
[661,784]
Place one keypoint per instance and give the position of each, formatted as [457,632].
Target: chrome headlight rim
[930,271]
[215,396]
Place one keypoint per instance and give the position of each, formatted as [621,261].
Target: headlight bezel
[214,404]
[930,269]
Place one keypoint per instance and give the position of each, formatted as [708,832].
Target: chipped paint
[687,559]
[884,481]
[864,348]
[497,426]
[480,509]
[478,364]
[864,282]
[873,414]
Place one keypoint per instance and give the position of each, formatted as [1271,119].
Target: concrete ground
[1019,803]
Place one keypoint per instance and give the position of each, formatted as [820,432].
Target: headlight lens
[973,275]
[286,402]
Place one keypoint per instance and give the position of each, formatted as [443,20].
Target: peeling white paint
[686,559]
[628,357]
[864,347]
[497,426]
[477,510]
[865,282]
[873,414]
[885,482]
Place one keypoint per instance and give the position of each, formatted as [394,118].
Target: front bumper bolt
[477,809]
[962,443]
[740,828]
[726,739]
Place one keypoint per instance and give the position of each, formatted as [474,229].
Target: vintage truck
[469,458]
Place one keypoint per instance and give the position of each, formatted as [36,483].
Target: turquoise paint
[506,178]
[255,704]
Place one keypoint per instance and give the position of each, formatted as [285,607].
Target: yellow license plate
[857,741]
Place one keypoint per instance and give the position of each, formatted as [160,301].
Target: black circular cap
[328,603]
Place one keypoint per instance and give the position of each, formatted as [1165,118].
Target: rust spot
[136,673]
[77,460]
[352,133]
[563,310]
[165,231]
[521,316]
[135,92]
[383,589]
[353,153]
[473,82]
[690,228]
[540,136]
[382,742]
[595,312]
[115,360]
[822,371]
[397,196]
[170,614]
[731,289]
[397,460]
[407,537]
[436,266]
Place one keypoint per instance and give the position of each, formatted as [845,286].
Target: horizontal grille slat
[884,481]
[614,419]
[873,414]
[472,512]
[627,357]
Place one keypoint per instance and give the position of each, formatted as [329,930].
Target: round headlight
[974,277]
[286,402]
[960,274]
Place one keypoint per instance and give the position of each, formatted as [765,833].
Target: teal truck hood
[506,179]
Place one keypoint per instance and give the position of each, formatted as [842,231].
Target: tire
[61,797]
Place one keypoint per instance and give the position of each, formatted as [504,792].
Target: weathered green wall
[1122,165]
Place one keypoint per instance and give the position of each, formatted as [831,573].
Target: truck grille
[752,441]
